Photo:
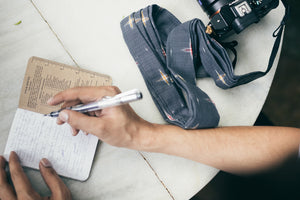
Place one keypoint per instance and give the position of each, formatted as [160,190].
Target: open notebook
[33,136]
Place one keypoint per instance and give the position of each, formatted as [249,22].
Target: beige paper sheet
[44,78]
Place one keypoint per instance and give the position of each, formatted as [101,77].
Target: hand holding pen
[115,125]
[105,102]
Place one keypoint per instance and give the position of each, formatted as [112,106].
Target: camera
[228,16]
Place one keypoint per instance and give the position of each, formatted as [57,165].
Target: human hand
[22,186]
[118,126]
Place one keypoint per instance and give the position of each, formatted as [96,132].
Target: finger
[80,121]
[6,190]
[67,104]
[57,187]
[83,94]
[71,103]
[3,177]
[92,113]
[59,121]
[19,179]
[74,131]
[98,113]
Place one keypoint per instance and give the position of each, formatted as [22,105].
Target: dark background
[283,103]
[282,108]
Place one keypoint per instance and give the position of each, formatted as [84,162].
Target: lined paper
[34,136]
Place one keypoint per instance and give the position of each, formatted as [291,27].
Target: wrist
[160,138]
[144,138]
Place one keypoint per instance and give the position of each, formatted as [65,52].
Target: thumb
[57,187]
[80,121]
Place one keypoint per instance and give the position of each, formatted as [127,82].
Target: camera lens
[213,6]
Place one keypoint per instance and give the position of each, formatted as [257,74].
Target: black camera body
[228,16]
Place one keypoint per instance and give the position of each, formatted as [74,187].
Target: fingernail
[63,116]
[50,100]
[46,163]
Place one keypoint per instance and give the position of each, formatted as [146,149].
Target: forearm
[231,149]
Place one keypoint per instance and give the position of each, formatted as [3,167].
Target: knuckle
[62,193]
[67,193]
[2,177]
[27,195]
[72,119]
[2,161]
[99,130]
[62,95]
[50,172]
[100,126]
[15,171]
[3,186]
[68,92]
[113,89]
[59,95]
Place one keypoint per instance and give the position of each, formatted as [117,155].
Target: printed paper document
[33,136]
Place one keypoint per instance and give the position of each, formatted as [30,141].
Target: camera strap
[171,82]
[278,34]
[168,54]
[240,80]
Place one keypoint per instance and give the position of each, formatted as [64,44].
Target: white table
[87,34]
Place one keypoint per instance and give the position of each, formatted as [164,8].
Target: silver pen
[119,99]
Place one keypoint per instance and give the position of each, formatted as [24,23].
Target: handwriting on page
[33,137]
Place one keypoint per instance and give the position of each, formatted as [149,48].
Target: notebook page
[33,137]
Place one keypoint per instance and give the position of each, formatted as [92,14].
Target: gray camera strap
[168,54]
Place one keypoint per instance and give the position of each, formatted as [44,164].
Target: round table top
[87,34]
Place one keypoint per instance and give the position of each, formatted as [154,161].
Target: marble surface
[87,34]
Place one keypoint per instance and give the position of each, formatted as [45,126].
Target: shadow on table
[279,184]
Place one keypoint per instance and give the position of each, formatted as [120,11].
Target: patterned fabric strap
[168,54]
[167,68]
